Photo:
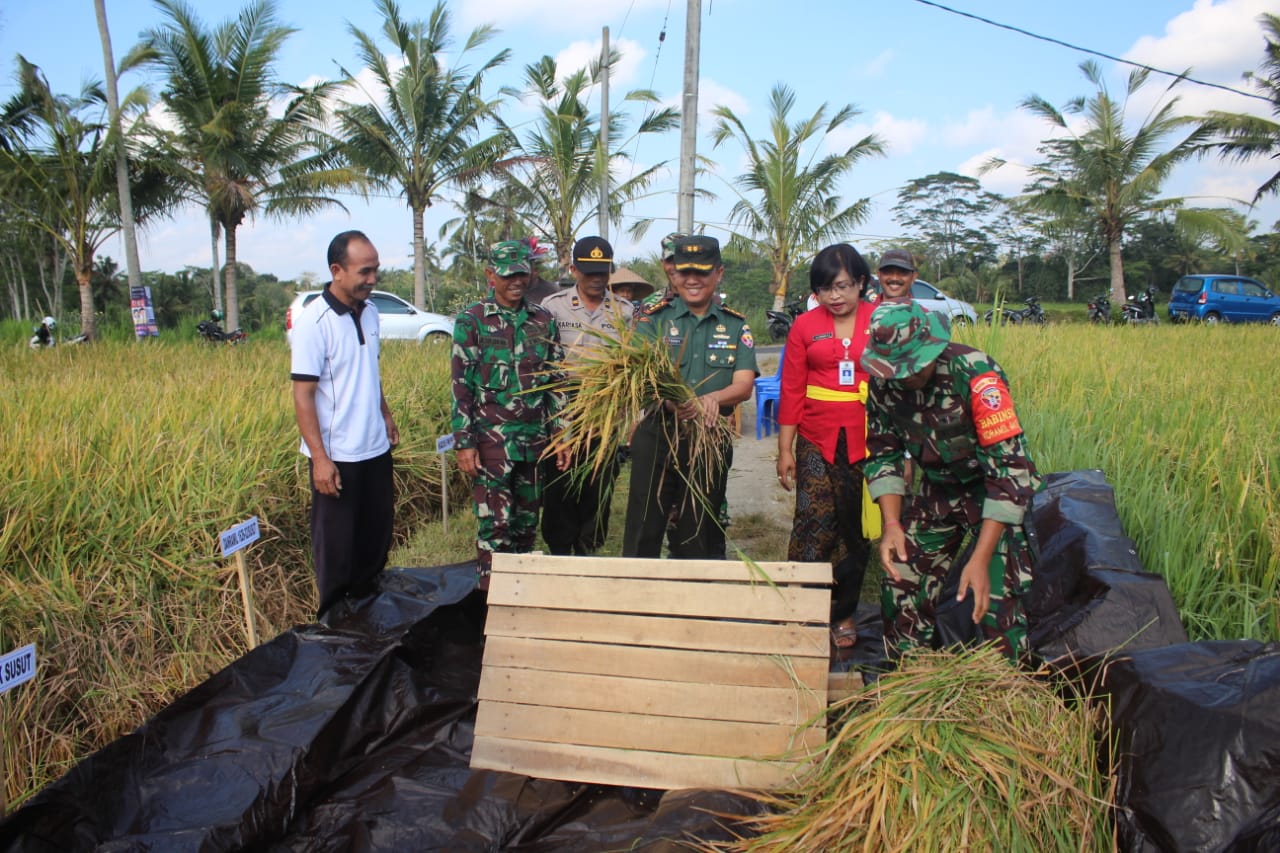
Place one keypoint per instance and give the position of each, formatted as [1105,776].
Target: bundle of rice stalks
[611,385]
[951,752]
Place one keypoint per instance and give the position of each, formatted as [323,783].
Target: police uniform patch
[992,408]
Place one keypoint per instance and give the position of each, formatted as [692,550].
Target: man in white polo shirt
[347,428]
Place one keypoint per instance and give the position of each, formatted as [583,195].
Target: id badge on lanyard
[846,366]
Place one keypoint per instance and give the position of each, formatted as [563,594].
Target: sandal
[844,636]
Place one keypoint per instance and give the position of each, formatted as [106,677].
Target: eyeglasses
[842,287]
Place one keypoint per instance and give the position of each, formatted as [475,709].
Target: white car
[935,300]
[397,319]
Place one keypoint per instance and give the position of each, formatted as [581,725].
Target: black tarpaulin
[1089,595]
[355,735]
[1196,734]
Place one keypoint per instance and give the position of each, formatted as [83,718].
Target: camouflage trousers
[941,530]
[506,495]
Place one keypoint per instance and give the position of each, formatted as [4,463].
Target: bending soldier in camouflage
[503,347]
[948,405]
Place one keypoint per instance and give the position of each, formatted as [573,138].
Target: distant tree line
[237,142]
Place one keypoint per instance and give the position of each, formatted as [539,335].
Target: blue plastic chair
[768,396]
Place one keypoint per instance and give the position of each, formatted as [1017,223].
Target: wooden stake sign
[443,445]
[234,541]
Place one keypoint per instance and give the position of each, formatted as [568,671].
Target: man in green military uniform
[949,406]
[716,355]
[503,411]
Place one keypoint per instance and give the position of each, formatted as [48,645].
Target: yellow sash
[827,395]
[871,524]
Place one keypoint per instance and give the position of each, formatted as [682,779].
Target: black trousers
[351,534]
[659,484]
[575,506]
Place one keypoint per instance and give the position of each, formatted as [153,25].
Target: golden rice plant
[949,752]
[1181,419]
[119,465]
[611,386]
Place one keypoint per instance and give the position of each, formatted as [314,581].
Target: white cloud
[900,135]
[1218,42]
[878,64]
[582,54]
[712,94]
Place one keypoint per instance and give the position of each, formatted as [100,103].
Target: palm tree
[1111,175]
[554,173]
[1244,137]
[122,167]
[59,176]
[234,155]
[787,201]
[418,133]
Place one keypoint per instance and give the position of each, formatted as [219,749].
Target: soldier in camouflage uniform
[502,350]
[948,405]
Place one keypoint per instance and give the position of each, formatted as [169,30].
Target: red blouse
[813,357]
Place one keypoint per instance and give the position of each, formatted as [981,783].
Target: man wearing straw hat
[575,506]
[715,352]
[960,542]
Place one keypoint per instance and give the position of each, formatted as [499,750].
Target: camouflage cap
[669,244]
[510,257]
[905,338]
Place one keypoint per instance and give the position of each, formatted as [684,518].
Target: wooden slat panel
[665,664]
[654,569]
[794,705]
[625,595]
[842,685]
[642,731]
[749,637]
[632,768]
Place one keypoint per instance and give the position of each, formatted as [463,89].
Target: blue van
[1218,298]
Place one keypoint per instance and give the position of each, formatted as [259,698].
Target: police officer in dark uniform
[716,355]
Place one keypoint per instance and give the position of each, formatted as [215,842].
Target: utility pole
[604,133]
[689,117]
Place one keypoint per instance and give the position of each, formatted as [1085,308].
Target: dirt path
[760,509]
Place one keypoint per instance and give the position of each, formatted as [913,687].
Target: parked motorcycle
[1032,313]
[211,330]
[780,321]
[1141,309]
[43,334]
[1100,309]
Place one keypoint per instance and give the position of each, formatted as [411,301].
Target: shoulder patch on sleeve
[992,408]
[654,307]
[745,338]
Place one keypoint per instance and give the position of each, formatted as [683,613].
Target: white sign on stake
[443,445]
[17,666]
[243,534]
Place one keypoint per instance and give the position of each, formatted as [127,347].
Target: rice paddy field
[122,462]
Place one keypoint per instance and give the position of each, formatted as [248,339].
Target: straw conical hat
[640,288]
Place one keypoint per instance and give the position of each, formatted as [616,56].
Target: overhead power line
[1092,52]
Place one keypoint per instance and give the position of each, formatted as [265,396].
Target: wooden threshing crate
[653,673]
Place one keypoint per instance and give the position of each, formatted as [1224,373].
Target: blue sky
[942,90]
